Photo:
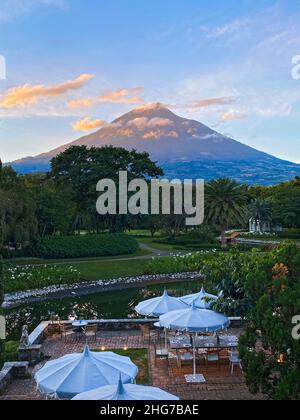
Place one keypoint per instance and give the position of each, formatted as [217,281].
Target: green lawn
[110,269]
[140,358]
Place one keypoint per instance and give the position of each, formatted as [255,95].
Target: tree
[225,204]
[261,209]
[17,210]
[270,354]
[80,168]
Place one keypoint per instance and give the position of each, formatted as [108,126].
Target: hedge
[86,246]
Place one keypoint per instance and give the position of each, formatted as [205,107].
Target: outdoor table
[225,342]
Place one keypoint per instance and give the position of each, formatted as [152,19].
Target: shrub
[290,234]
[11,352]
[181,263]
[86,246]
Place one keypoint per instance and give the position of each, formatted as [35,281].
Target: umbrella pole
[194,356]
[166,340]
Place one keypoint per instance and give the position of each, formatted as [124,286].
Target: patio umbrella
[202,299]
[160,305]
[80,372]
[123,392]
[194,320]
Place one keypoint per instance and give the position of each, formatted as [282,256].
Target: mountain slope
[184,148]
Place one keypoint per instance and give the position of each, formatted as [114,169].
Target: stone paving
[220,385]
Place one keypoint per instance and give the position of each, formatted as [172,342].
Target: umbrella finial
[86,350]
[120,389]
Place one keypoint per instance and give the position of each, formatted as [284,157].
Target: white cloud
[11,9]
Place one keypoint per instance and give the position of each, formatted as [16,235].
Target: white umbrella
[194,321]
[80,372]
[202,300]
[160,305]
[122,392]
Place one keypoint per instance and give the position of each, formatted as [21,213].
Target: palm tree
[225,204]
[261,209]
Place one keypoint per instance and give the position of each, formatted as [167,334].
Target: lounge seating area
[190,353]
[223,378]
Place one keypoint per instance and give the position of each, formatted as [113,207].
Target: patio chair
[147,333]
[91,332]
[66,332]
[172,357]
[235,360]
[161,354]
[185,358]
[213,356]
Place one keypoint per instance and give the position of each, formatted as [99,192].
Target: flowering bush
[180,263]
[18,278]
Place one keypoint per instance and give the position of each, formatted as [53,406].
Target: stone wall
[11,371]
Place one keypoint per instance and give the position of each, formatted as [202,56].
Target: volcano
[184,148]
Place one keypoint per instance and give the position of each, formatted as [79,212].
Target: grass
[11,352]
[140,358]
[110,269]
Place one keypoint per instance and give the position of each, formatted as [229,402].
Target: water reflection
[108,305]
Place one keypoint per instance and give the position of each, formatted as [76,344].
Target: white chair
[235,360]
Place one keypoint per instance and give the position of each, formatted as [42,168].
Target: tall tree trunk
[223,237]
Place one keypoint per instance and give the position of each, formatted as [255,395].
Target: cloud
[233,115]
[11,9]
[81,103]
[26,95]
[159,122]
[121,96]
[87,124]
[231,28]
[156,134]
[144,122]
[204,103]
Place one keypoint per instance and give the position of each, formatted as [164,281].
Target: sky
[74,65]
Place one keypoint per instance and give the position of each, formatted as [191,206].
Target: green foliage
[181,263]
[271,356]
[292,233]
[22,278]
[80,168]
[140,359]
[225,204]
[86,246]
[1,312]
[18,223]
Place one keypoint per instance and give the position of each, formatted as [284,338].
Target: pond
[108,305]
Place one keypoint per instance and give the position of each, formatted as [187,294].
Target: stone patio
[220,385]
